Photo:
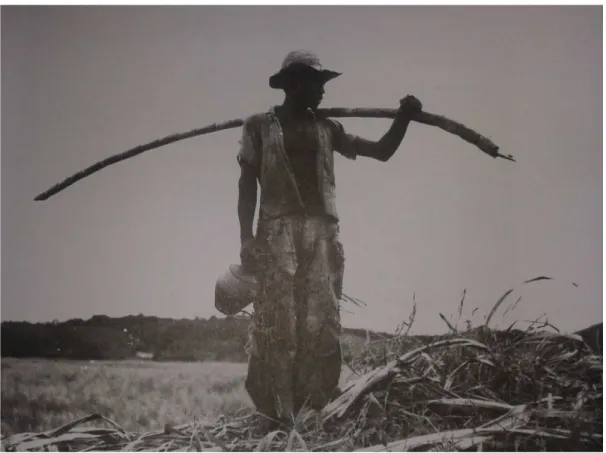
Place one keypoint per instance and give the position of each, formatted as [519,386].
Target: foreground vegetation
[471,390]
[506,391]
[39,395]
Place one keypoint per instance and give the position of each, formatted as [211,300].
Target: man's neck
[293,109]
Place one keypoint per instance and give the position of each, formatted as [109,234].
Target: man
[294,350]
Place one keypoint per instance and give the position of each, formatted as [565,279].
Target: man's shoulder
[332,125]
[257,119]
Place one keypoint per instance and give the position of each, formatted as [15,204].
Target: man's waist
[298,213]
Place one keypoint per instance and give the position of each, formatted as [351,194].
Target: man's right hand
[249,254]
[410,106]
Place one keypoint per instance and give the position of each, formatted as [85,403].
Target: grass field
[42,394]
[38,394]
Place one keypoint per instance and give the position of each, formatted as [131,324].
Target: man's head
[304,87]
[302,78]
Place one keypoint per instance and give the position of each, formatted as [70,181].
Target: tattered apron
[294,349]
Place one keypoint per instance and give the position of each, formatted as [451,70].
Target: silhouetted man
[294,349]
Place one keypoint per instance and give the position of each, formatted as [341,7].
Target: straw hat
[299,61]
[234,290]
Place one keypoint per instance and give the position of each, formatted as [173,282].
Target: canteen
[234,290]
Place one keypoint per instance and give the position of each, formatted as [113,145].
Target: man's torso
[294,160]
[302,148]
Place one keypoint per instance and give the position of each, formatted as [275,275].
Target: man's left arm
[382,150]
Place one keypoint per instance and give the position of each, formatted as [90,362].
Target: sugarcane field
[333,228]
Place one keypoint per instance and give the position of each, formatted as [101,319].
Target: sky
[151,235]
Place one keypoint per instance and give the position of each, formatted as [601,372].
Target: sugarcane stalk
[430,119]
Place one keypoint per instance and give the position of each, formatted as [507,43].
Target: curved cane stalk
[430,119]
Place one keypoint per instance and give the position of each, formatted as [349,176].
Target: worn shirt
[281,155]
[301,146]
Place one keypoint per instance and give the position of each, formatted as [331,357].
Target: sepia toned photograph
[302,228]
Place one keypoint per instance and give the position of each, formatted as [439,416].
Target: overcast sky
[151,235]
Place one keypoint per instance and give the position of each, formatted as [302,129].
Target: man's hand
[389,143]
[249,255]
[409,106]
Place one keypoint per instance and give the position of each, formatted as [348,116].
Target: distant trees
[102,337]
[71,339]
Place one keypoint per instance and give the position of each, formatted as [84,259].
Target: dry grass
[38,395]
[475,390]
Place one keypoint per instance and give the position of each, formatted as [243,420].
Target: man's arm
[249,158]
[388,144]
[247,201]
[386,147]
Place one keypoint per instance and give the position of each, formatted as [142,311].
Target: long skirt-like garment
[294,349]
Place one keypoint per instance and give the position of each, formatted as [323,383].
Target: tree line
[105,338]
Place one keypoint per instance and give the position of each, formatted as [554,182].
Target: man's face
[310,92]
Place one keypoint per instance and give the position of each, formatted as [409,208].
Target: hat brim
[277,81]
